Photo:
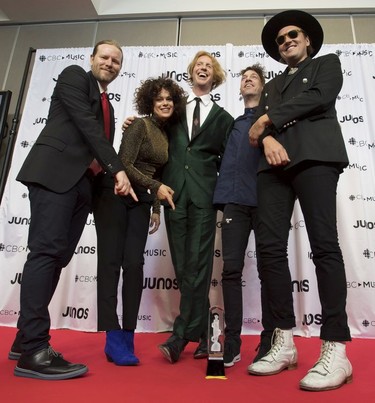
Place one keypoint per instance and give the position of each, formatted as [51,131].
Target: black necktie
[196,118]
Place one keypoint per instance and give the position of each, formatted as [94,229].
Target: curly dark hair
[149,90]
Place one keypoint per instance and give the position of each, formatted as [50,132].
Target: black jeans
[236,226]
[314,184]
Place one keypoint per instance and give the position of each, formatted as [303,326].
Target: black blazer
[302,110]
[73,135]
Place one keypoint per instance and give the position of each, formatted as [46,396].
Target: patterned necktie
[106,115]
[196,118]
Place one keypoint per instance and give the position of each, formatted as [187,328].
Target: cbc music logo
[162,55]
[140,317]
[361,143]
[127,74]
[250,254]
[342,97]
[13,248]
[57,58]
[8,312]
[358,167]
[26,144]
[369,254]
[362,198]
[250,321]
[80,278]
[368,323]
[348,53]
[297,225]
[155,252]
[251,54]
[76,313]
[361,285]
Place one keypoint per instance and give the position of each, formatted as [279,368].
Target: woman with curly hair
[124,229]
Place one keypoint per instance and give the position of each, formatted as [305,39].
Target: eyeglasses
[292,34]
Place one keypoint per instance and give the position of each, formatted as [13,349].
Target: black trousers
[314,184]
[57,222]
[122,229]
[236,226]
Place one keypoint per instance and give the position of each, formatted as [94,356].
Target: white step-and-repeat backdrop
[74,304]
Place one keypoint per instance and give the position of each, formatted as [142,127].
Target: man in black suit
[303,157]
[73,146]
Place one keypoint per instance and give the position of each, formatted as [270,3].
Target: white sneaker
[283,355]
[331,371]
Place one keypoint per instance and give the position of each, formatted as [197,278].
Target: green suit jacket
[195,163]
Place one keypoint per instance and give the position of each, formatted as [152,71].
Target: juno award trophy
[215,344]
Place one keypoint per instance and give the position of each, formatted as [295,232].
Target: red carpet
[156,380]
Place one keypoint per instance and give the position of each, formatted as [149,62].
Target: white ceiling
[33,11]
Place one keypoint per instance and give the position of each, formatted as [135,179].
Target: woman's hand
[166,193]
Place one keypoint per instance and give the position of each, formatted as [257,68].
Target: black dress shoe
[49,365]
[173,348]
[201,351]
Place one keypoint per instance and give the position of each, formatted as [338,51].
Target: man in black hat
[303,157]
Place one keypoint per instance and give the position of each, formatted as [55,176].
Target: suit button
[186,166]
[266,107]
[188,149]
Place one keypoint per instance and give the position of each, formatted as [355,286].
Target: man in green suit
[195,150]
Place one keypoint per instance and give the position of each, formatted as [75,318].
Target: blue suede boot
[128,337]
[116,350]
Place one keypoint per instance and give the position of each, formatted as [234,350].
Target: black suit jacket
[302,110]
[73,135]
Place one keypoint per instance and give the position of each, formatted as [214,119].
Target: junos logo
[85,250]
[354,119]
[301,285]
[364,224]
[17,279]
[19,221]
[312,319]
[76,313]
[160,283]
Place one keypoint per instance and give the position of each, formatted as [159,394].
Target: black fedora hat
[298,18]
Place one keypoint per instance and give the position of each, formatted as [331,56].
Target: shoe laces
[51,351]
[325,355]
[276,342]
